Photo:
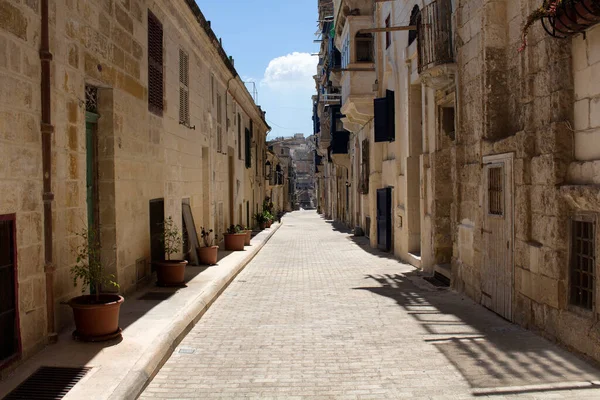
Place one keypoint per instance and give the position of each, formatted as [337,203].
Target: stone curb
[136,380]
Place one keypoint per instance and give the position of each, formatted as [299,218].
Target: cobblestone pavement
[318,314]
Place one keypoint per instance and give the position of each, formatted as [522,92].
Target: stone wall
[21,159]
[141,156]
[522,103]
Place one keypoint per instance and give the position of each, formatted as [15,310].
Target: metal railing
[434,34]
[331,98]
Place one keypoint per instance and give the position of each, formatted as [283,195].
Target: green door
[91,168]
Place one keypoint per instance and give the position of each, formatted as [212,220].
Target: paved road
[318,314]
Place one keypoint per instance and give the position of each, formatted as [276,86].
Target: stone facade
[493,166]
[208,161]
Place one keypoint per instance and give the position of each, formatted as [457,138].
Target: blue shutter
[391,115]
[385,120]
[381,119]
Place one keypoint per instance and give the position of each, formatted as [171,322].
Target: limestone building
[466,157]
[113,114]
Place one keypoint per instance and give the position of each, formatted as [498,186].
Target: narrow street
[318,314]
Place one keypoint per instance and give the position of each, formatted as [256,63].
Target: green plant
[268,204]
[171,238]
[88,267]
[547,9]
[233,229]
[260,218]
[268,216]
[207,237]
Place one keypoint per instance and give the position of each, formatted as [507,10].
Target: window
[346,52]
[365,168]
[364,47]
[583,261]
[155,65]
[248,141]
[388,34]
[415,19]
[239,126]
[184,90]
[219,126]
[212,88]
[282,150]
[495,192]
[385,118]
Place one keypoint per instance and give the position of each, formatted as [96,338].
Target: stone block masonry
[139,156]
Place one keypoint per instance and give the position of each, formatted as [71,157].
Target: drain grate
[156,296]
[48,383]
[438,280]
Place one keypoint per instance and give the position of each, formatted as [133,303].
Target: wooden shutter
[381,119]
[184,90]
[385,120]
[248,149]
[391,115]
[155,65]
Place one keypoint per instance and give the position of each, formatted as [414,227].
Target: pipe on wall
[47,129]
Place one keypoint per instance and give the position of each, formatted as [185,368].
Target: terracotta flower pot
[170,272]
[269,222]
[588,11]
[96,321]
[248,237]
[208,255]
[262,225]
[234,241]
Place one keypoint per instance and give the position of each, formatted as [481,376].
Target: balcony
[435,49]
[358,72]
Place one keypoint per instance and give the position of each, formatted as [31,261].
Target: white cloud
[292,70]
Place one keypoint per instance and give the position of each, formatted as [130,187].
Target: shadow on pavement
[494,356]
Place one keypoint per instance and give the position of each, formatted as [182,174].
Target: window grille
[184,90]
[155,65]
[495,192]
[583,262]
[91,99]
[219,129]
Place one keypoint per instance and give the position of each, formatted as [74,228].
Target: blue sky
[271,42]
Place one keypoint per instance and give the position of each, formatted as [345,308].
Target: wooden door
[91,158]
[497,235]
[9,326]
[384,219]
[157,220]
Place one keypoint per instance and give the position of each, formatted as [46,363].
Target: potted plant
[268,217]
[97,314]
[171,272]
[248,232]
[565,16]
[207,255]
[234,238]
[260,220]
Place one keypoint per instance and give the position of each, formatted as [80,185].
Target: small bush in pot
[248,232]
[171,272]
[97,314]
[234,238]
[268,217]
[207,254]
[260,220]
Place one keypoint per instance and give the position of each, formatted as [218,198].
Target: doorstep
[152,328]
